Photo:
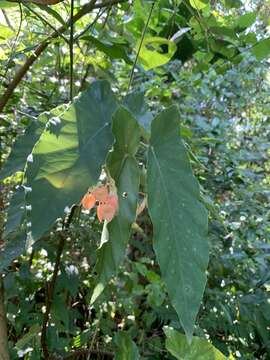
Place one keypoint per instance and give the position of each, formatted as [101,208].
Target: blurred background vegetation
[219,78]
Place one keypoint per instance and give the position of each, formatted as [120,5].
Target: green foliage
[199,4]
[199,349]
[126,348]
[210,63]
[123,168]
[16,211]
[68,157]
[150,55]
[262,49]
[25,143]
[179,219]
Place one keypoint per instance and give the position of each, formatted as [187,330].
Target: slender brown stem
[43,45]
[50,294]
[140,45]
[4,353]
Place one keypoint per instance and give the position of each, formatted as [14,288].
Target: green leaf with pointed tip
[199,349]
[126,348]
[151,54]
[179,219]
[124,170]
[68,158]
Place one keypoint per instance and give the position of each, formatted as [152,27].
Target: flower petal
[88,201]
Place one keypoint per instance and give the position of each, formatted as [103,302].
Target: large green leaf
[151,54]
[69,156]
[199,349]
[124,170]
[262,49]
[126,348]
[25,143]
[179,218]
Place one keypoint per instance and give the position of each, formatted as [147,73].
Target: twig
[43,45]
[51,286]
[91,25]
[83,80]
[50,294]
[140,45]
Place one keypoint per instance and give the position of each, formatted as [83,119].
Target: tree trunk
[4,353]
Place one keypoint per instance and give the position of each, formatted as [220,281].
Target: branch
[51,286]
[43,45]
[49,297]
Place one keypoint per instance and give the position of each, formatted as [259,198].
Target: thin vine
[140,46]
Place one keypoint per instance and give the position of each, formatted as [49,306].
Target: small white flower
[30,158]
[72,270]
[27,188]
[66,210]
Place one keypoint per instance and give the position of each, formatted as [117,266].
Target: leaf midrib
[171,216]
